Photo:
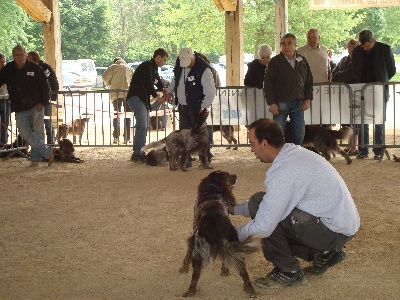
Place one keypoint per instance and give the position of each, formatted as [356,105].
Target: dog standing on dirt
[323,139]
[213,233]
[77,128]
[180,144]
[228,133]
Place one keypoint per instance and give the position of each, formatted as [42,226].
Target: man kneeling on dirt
[307,210]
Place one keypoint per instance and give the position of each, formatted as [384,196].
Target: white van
[83,67]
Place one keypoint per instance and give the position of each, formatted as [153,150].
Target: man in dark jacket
[141,88]
[29,93]
[373,62]
[34,57]
[288,87]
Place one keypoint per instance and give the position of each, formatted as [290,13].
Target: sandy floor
[111,229]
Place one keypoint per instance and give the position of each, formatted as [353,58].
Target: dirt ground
[112,229]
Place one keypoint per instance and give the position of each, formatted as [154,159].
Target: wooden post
[234,46]
[52,39]
[281,22]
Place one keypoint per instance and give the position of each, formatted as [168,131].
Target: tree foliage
[133,29]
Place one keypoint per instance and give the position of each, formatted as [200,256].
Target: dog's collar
[213,185]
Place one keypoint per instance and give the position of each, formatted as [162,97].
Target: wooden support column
[52,38]
[234,46]
[281,22]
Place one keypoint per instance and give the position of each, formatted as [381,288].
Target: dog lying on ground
[323,139]
[213,233]
[180,144]
[228,133]
[77,128]
[65,152]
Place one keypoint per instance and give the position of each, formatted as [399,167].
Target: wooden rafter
[226,5]
[36,9]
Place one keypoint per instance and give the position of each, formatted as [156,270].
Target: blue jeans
[378,139]
[142,120]
[48,124]
[5,119]
[30,124]
[293,110]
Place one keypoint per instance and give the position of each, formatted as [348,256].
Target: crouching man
[306,211]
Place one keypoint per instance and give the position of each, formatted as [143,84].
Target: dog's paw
[189,293]
[249,289]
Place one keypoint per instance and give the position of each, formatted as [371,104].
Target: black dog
[323,139]
[213,233]
[65,152]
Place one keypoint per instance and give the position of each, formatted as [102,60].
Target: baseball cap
[185,57]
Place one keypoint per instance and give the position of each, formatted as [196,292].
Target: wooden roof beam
[36,9]
[226,5]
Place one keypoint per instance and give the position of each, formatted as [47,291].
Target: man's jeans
[30,124]
[378,139]
[48,123]
[4,118]
[293,110]
[299,235]
[142,120]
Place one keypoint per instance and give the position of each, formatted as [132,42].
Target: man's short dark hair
[269,130]
[289,35]
[365,36]
[35,56]
[161,52]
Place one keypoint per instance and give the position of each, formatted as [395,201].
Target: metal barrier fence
[88,116]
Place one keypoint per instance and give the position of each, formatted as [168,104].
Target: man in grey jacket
[306,210]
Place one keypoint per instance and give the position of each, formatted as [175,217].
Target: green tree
[84,30]
[14,22]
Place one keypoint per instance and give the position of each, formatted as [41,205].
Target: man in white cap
[193,86]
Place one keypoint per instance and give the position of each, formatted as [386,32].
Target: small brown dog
[180,144]
[77,128]
[228,133]
[323,139]
[66,152]
[213,233]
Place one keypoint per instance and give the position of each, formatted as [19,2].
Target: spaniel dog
[323,139]
[66,151]
[213,233]
[180,144]
[77,128]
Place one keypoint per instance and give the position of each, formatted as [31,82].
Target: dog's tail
[233,252]
[158,145]
[343,133]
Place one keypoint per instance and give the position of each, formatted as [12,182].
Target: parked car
[134,65]
[73,81]
[99,80]
[83,67]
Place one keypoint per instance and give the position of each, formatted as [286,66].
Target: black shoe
[138,158]
[377,157]
[362,156]
[276,279]
[326,260]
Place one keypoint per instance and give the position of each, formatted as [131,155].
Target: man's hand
[306,105]
[168,97]
[273,108]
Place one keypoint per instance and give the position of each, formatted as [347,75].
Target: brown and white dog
[228,133]
[77,128]
[65,152]
[214,235]
[324,140]
[180,144]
